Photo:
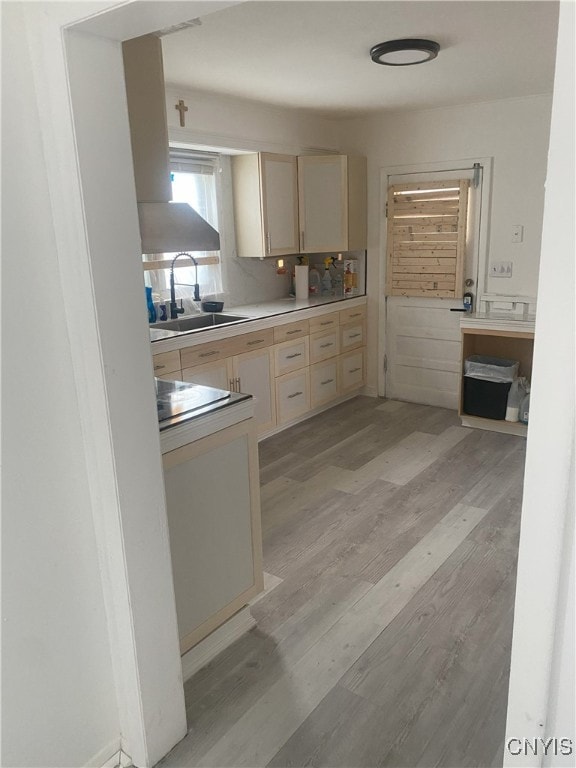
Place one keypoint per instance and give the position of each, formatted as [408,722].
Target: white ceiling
[314,55]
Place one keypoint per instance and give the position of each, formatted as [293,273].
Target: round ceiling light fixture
[403,53]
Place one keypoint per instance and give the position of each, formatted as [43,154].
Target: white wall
[231,123]
[513,132]
[540,700]
[59,700]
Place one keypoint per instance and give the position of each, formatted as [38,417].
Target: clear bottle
[314,282]
[327,278]
[524,409]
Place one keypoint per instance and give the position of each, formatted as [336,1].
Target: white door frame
[76,59]
[437,167]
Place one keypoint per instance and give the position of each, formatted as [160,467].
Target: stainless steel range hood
[165,227]
[174,227]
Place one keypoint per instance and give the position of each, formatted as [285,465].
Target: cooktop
[178,401]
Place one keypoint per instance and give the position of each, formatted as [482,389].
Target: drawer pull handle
[295,394]
[326,381]
[296,354]
[354,370]
[297,330]
[354,335]
[209,354]
[327,322]
[355,314]
[256,341]
[159,367]
[328,344]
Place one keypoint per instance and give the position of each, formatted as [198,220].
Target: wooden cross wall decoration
[182,109]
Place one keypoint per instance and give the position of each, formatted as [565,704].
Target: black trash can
[487,382]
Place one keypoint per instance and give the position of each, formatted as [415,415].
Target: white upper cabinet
[265,190]
[332,203]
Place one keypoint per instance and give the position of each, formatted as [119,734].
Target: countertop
[499,321]
[179,402]
[164,341]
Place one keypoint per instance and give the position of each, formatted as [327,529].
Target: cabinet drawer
[249,342]
[290,356]
[203,353]
[324,323]
[166,362]
[174,376]
[352,370]
[352,315]
[323,382]
[291,331]
[352,335]
[324,345]
[292,395]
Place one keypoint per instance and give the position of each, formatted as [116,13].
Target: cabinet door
[279,203]
[292,395]
[217,374]
[352,370]
[323,204]
[254,371]
[212,502]
[323,382]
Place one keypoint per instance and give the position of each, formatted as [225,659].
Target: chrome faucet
[176,310]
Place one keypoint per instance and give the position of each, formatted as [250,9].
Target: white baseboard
[110,756]
[119,760]
[309,414]
[216,642]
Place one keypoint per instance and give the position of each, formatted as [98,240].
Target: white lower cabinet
[323,382]
[217,374]
[352,370]
[252,373]
[292,395]
[213,507]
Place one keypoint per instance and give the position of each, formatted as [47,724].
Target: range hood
[165,227]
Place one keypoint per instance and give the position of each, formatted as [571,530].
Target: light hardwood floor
[391,533]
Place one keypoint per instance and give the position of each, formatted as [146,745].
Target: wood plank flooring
[390,540]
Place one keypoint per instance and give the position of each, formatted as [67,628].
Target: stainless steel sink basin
[198,322]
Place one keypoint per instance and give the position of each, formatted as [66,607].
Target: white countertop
[498,322]
[285,310]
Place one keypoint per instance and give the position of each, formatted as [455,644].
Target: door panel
[422,334]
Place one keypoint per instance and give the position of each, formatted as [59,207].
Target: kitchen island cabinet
[213,508]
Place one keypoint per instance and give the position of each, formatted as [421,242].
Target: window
[426,239]
[194,178]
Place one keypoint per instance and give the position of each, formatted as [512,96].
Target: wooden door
[422,355]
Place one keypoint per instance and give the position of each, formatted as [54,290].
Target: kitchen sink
[198,322]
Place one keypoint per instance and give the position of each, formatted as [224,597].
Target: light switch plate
[501,269]
[517,233]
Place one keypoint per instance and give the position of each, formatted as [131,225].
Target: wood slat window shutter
[426,244]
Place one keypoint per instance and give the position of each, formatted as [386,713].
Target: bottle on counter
[314,282]
[350,277]
[327,278]
[150,305]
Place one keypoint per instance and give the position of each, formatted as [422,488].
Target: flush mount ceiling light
[403,53]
